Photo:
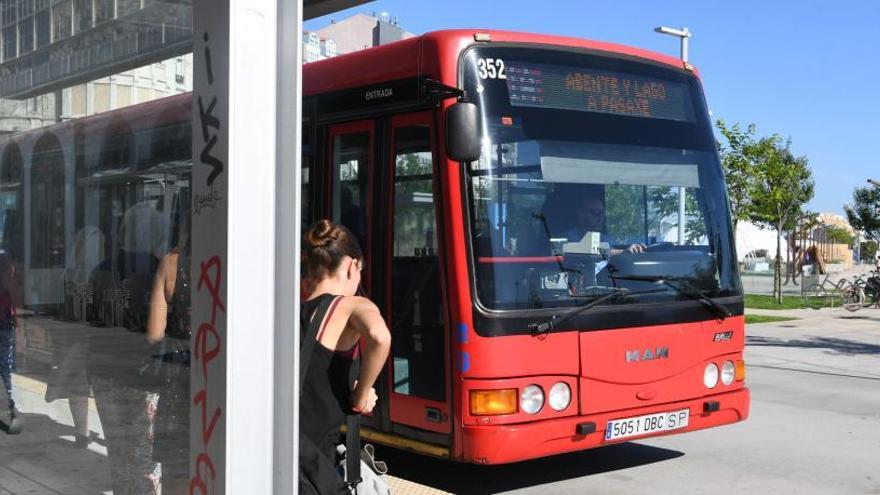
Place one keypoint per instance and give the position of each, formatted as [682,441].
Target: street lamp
[875,182]
[684,35]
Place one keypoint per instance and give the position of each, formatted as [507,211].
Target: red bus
[545,222]
[467,162]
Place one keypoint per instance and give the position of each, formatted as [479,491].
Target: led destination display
[574,88]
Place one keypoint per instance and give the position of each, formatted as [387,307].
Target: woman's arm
[158,303]
[368,323]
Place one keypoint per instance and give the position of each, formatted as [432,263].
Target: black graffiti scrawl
[209,123]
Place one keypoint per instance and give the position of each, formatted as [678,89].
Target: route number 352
[491,68]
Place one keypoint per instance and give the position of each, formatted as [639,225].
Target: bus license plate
[643,425]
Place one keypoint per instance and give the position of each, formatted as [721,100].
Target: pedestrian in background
[169,321]
[7,338]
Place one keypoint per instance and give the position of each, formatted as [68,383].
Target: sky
[803,69]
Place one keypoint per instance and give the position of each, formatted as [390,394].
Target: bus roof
[401,59]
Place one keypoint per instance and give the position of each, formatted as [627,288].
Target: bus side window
[417,320]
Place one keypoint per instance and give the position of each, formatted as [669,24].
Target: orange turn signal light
[740,374]
[493,402]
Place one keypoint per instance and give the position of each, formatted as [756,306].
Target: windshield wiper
[555,321]
[682,286]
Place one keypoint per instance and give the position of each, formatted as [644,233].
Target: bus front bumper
[500,444]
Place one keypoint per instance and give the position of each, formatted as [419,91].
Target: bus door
[418,365]
[351,180]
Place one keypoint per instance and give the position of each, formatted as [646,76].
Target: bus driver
[588,202]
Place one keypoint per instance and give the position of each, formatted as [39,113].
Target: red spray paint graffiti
[207,347]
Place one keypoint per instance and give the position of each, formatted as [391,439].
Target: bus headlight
[531,399]
[710,375]
[728,372]
[560,396]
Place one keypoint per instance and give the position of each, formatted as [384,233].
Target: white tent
[751,238]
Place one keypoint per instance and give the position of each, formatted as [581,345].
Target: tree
[839,235]
[868,251]
[636,212]
[738,160]
[782,185]
[864,213]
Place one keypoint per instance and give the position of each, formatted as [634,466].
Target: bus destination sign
[565,87]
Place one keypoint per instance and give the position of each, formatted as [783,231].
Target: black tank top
[326,389]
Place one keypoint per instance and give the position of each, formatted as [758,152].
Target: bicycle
[867,287]
[816,295]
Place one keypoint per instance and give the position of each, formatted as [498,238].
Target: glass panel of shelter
[94,216]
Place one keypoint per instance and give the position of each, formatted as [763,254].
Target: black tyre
[852,298]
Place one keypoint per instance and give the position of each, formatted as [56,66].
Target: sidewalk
[42,459]
[822,341]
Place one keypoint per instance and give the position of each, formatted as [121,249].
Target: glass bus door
[416,304]
[351,151]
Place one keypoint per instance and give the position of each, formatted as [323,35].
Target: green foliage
[839,235]
[783,184]
[766,183]
[625,214]
[864,213]
[665,201]
[868,250]
[738,160]
[627,219]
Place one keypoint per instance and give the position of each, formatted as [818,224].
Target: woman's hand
[363,400]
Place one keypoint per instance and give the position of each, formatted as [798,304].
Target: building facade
[362,31]
[317,48]
[152,82]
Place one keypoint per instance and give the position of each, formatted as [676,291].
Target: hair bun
[321,234]
[324,246]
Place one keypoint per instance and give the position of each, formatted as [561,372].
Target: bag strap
[353,451]
[322,313]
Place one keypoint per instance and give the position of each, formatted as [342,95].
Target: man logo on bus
[647,355]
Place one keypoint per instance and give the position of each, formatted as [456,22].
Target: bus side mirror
[463,132]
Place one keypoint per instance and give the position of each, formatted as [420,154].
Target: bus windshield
[596,173]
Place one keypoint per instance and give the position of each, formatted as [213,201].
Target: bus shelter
[109,176]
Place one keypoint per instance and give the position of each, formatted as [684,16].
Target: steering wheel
[660,246]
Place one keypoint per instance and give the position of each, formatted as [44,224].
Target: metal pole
[287,245]
[684,44]
[681,215]
[683,35]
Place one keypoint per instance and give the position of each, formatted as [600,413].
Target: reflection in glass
[417,320]
[95,211]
